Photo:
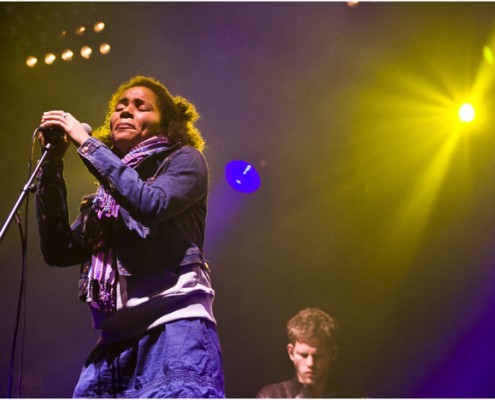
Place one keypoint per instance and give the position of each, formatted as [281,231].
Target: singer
[139,243]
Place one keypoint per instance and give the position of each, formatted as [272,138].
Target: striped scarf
[99,285]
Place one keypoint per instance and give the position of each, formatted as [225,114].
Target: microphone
[50,131]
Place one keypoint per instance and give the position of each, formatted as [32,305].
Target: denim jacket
[163,204]
[159,238]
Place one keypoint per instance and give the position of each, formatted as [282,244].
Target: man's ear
[290,350]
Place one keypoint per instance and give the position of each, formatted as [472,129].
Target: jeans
[181,359]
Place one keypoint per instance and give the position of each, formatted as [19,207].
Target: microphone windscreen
[52,130]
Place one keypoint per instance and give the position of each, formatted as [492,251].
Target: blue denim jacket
[163,205]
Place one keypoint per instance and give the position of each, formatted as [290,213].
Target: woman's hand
[62,121]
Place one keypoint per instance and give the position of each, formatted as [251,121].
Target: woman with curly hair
[139,242]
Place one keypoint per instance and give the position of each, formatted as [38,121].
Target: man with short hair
[312,350]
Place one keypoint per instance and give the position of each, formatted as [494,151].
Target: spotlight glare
[80,30]
[466,113]
[488,55]
[50,58]
[67,55]
[99,26]
[31,61]
[105,48]
[86,52]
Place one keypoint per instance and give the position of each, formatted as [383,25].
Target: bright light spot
[31,61]
[50,58]
[466,112]
[80,30]
[86,52]
[105,48]
[67,55]
[242,176]
[99,26]
[488,54]
[352,3]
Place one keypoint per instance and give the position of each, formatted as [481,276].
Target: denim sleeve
[182,185]
[58,241]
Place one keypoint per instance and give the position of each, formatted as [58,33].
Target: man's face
[312,360]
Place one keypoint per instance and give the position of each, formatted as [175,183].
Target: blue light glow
[242,176]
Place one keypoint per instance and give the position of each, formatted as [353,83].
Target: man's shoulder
[292,389]
[279,390]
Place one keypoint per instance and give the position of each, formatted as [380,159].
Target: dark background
[372,207]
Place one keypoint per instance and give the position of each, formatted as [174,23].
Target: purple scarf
[99,285]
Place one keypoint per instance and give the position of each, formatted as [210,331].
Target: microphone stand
[25,191]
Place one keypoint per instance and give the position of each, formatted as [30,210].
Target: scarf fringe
[100,293]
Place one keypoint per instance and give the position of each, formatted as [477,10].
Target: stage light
[31,61]
[67,55]
[98,26]
[488,55]
[105,48]
[466,113]
[242,176]
[80,30]
[86,52]
[85,39]
[50,58]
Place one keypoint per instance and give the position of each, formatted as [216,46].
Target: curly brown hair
[311,323]
[178,114]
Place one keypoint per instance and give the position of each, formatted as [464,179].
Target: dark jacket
[158,240]
[162,216]
[294,390]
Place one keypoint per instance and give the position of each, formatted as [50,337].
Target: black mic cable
[20,321]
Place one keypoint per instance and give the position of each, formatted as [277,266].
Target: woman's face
[136,117]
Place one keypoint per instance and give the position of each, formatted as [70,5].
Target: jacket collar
[150,164]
